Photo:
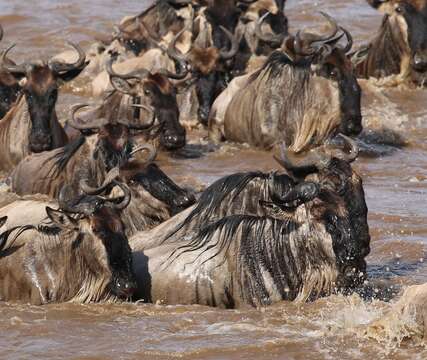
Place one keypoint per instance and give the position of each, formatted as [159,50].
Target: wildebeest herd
[90,217]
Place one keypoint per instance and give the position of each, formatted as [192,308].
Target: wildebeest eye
[399,9]
[147,92]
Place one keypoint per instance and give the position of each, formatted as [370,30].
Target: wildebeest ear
[60,219]
[3,220]
[72,74]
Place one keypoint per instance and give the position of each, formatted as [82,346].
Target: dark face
[107,226]
[114,145]
[346,221]
[9,92]
[338,68]
[159,185]
[41,93]
[222,13]
[208,88]
[161,94]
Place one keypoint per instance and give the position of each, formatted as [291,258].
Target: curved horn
[59,67]
[225,55]
[349,38]
[71,202]
[174,55]
[269,38]
[152,152]
[304,41]
[126,199]
[137,74]
[112,175]
[8,65]
[354,150]
[140,127]
[74,123]
[314,158]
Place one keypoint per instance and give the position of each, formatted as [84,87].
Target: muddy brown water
[331,328]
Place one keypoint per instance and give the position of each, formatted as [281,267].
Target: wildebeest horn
[270,38]
[112,175]
[1,33]
[94,124]
[8,65]
[70,202]
[141,127]
[353,147]
[312,159]
[174,55]
[137,74]
[349,38]
[304,41]
[60,67]
[225,55]
[152,152]
[126,199]
[317,158]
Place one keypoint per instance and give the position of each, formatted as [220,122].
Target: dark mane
[255,246]
[49,230]
[384,54]
[63,157]
[214,195]
[275,62]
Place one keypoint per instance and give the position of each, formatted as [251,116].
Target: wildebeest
[312,240]
[400,46]
[90,160]
[207,66]
[144,87]
[31,125]
[262,28]
[78,253]
[304,94]
[9,87]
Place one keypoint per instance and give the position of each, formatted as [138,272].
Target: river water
[331,328]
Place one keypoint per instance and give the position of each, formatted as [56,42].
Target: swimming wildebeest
[144,88]
[207,66]
[78,253]
[400,46]
[9,87]
[155,197]
[304,94]
[31,125]
[309,240]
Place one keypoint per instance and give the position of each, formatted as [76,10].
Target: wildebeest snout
[40,141]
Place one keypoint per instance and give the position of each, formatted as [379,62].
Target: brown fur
[204,60]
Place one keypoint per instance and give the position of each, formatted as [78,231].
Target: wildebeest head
[100,219]
[157,91]
[333,194]
[114,145]
[40,82]
[9,87]
[408,22]
[207,67]
[330,61]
